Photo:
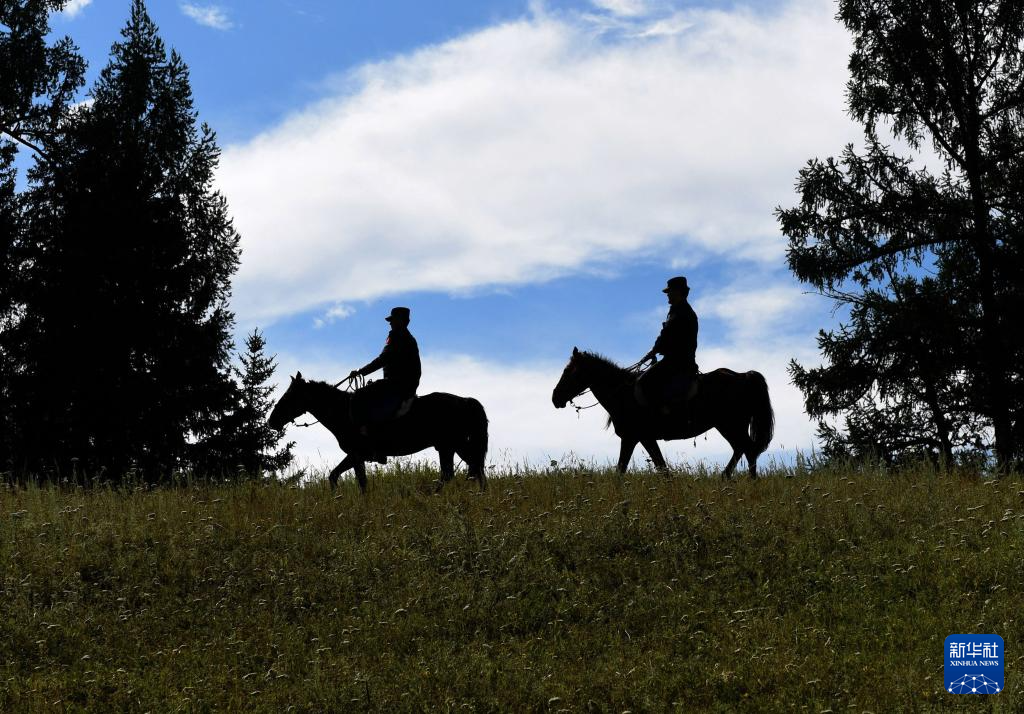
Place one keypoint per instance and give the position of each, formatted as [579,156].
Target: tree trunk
[996,383]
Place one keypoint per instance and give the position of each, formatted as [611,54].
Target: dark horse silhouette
[449,423]
[735,404]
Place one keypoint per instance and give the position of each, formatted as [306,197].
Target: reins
[356,382]
[633,368]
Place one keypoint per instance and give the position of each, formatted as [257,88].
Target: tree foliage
[926,265]
[260,450]
[244,444]
[39,80]
[37,84]
[125,341]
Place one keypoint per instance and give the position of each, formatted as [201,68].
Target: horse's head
[574,380]
[292,403]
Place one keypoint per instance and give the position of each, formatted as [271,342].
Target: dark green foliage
[37,83]
[126,336]
[38,80]
[896,372]
[926,267]
[258,443]
[243,443]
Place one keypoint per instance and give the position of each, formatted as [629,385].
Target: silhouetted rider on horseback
[669,380]
[380,400]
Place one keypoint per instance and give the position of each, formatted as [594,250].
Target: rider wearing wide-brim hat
[400,359]
[677,342]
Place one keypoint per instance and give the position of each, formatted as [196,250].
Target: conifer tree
[126,335]
[945,76]
[256,444]
[37,83]
[39,80]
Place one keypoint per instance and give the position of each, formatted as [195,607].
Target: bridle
[635,368]
[355,382]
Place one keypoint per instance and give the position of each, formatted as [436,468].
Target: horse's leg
[360,468]
[748,448]
[736,454]
[626,453]
[447,459]
[474,466]
[651,445]
[751,460]
[735,439]
[742,445]
[346,463]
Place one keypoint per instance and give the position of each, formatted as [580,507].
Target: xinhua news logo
[974,664]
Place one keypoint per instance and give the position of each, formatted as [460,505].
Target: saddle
[388,410]
[379,418]
[371,406]
[681,389]
[404,408]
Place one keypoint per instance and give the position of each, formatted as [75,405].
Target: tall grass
[554,590]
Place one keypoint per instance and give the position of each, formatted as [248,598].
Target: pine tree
[39,80]
[894,373]
[126,335]
[948,76]
[37,84]
[255,443]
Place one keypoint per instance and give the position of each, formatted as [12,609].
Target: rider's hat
[402,313]
[676,283]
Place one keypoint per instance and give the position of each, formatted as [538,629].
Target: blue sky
[523,175]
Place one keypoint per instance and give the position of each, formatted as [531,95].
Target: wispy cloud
[535,149]
[208,15]
[75,7]
[671,25]
[623,8]
[333,314]
[752,313]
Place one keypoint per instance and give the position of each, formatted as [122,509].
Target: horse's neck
[607,385]
[329,406]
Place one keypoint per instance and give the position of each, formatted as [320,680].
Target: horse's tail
[476,439]
[762,417]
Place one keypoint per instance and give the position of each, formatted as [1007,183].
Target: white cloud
[624,8]
[74,8]
[208,15]
[538,148]
[752,313]
[333,314]
[525,428]
[672,25]
[84,104]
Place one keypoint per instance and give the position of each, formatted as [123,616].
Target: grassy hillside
[567,590]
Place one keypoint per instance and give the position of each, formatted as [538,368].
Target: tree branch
[21,140]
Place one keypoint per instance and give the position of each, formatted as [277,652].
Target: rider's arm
[376,364]
[662,345]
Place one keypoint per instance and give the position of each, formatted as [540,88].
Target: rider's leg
[362,411]
[653,383]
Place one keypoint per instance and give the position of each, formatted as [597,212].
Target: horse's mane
[608,365]
[322,386]
[602,361]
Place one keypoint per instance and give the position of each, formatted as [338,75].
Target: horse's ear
[297,377]
[575,352]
